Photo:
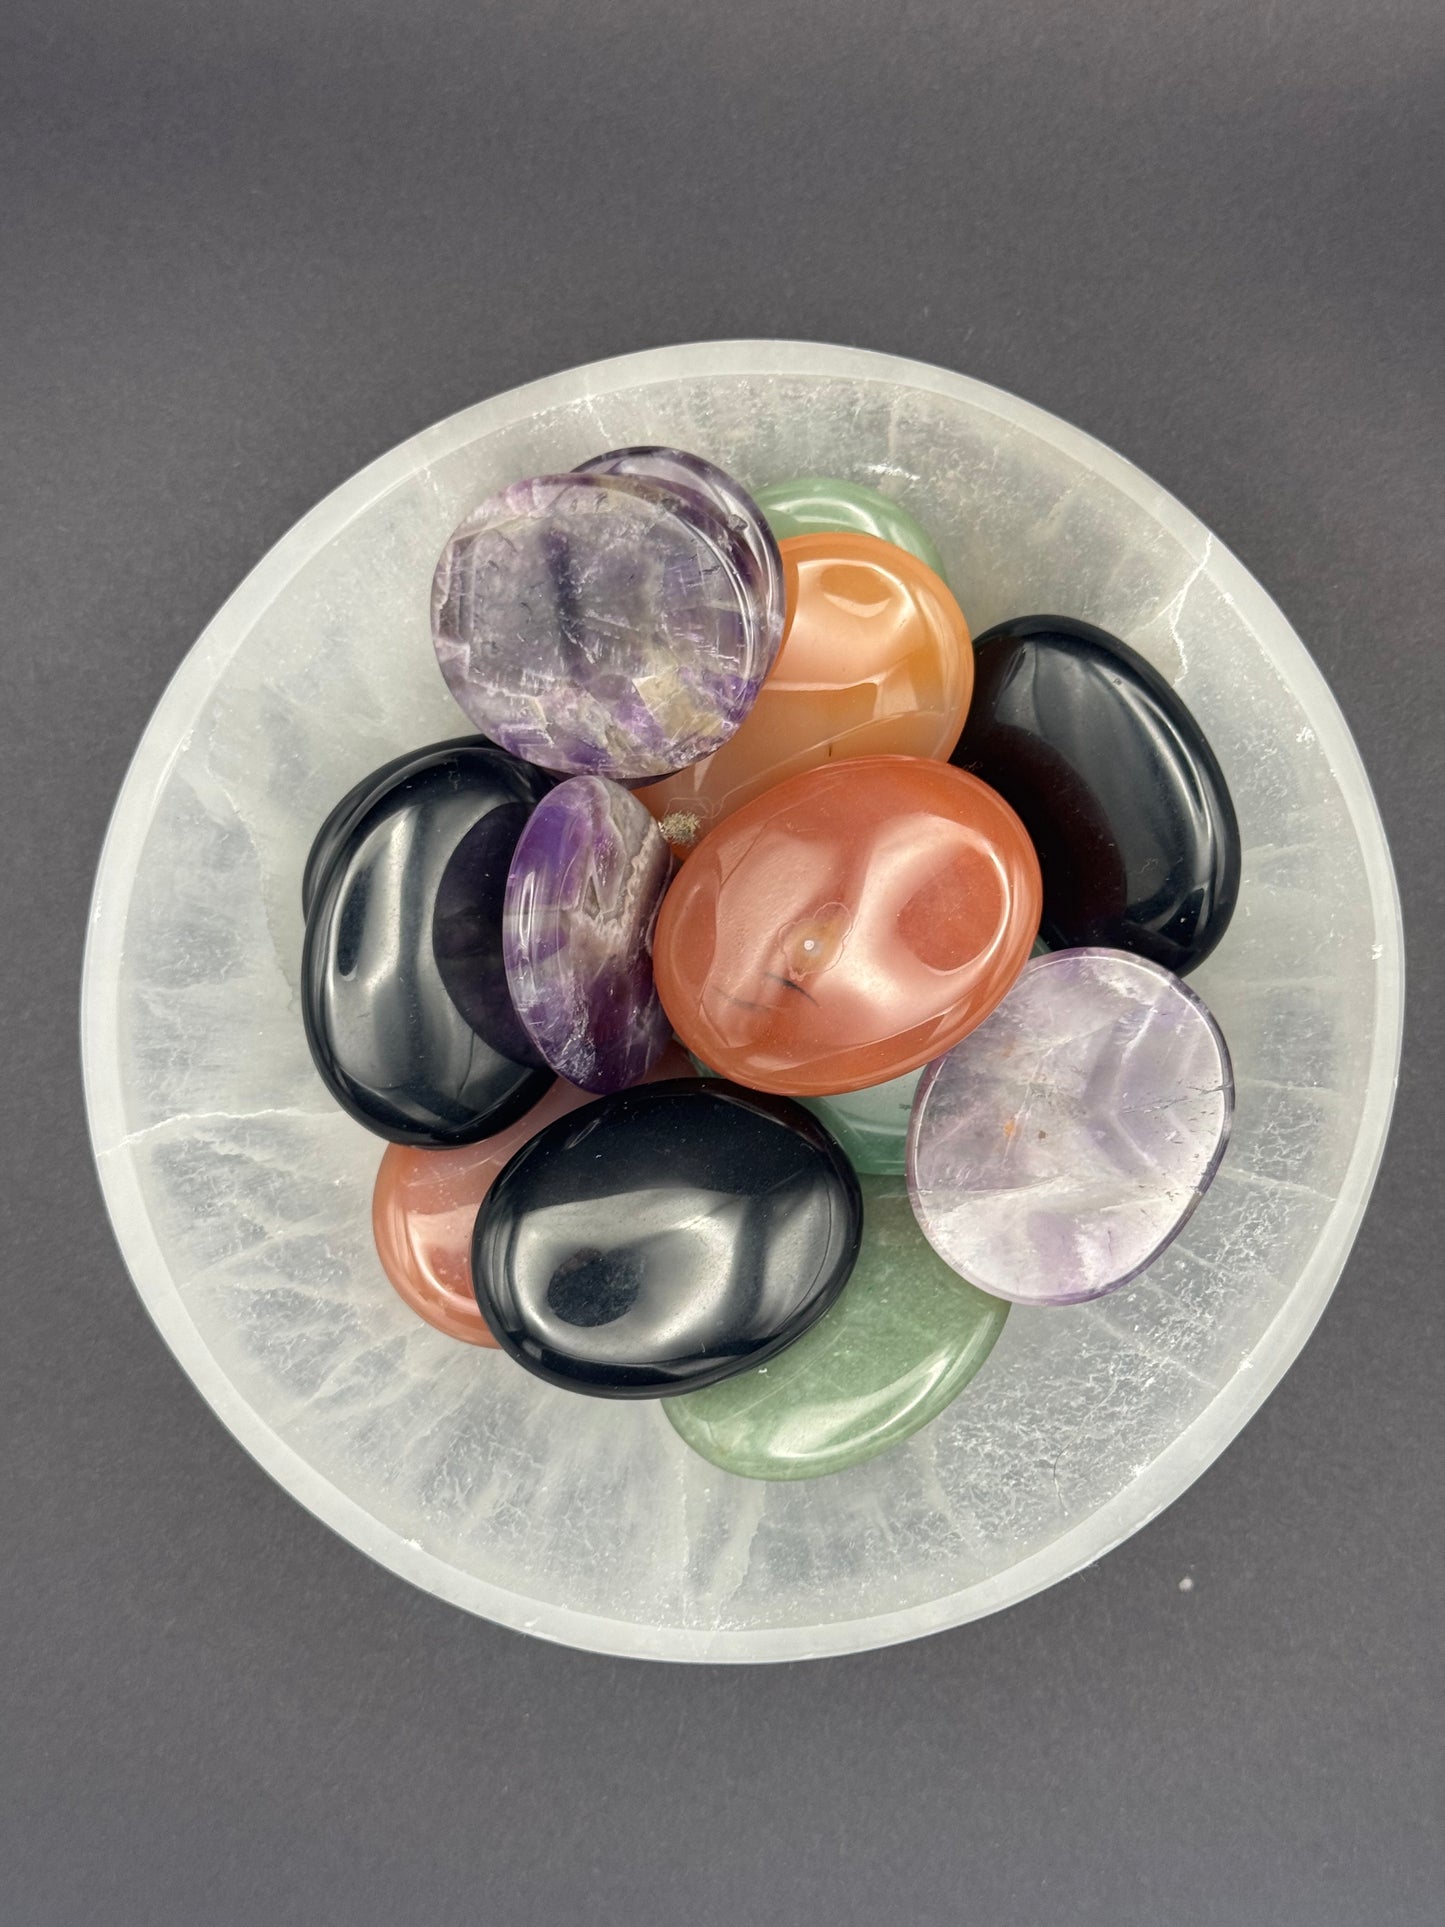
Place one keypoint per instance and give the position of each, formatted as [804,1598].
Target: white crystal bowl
[240,1195]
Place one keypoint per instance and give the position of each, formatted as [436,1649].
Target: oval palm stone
[1117,786]
[694,478]
[1059,1147]
[403,991]
[665,1238]
[814,503]
[596,626]
[875,661]
[901,1343]
[343,816]
[583,891]
[847,927]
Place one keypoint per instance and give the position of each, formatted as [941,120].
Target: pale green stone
[903,1340]
[814,503]
[871,1125]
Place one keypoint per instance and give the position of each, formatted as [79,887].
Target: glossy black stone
[1117,787]
[341,816]
[403,987]
[665,1238]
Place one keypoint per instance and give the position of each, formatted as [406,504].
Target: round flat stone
[663,1239]
[694,478]
[1126,805]
[875,661]
[403,990]
[902,1342]
[424,1209]
[813,504]
[593,625]
[583,892]
[846,927]
[1058,1149]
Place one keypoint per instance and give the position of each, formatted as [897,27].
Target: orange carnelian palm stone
[426,1202]
[875,661]
[847,926]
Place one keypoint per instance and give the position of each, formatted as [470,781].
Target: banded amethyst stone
[1058,1149]
[694,478]
[582,896]
[597,625]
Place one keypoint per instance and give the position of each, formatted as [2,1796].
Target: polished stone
[583,892]
[811,504]
[872,1124]
[875,661]
[595,625]
[904,1339]
[1058,1149]
[694,477]
[848,926]
[342,817]
[403,990]
[1114,780]
[665,1238]
[424,1209]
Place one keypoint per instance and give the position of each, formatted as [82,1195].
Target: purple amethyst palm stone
[583,891]
[1057,1150]
[694,478]
[599,625]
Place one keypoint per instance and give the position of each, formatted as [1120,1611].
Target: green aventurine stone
[813,502]
[903,1340]
[871,1125]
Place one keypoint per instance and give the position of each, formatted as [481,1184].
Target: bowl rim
[1191,1450]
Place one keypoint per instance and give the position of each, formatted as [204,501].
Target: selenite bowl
[240,1194]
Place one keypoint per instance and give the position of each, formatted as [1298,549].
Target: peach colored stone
[875,661]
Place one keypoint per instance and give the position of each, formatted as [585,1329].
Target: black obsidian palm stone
[1117,787]
[342,816]
[403,988]
[665,1238]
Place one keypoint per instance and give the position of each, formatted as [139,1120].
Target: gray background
[246,247]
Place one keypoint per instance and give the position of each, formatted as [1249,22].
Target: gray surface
[243,250]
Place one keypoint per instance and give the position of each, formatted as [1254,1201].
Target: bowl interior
[241,1195]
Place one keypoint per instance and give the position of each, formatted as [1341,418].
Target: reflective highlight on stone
[1057,1150]
[847,927]
[586,880]
[403,991]
[593,624]
[695,478]
[1116,784]
[342,816]
[813,504]
[875,661]
[902,1342]
[424,1209]
[665,1238]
